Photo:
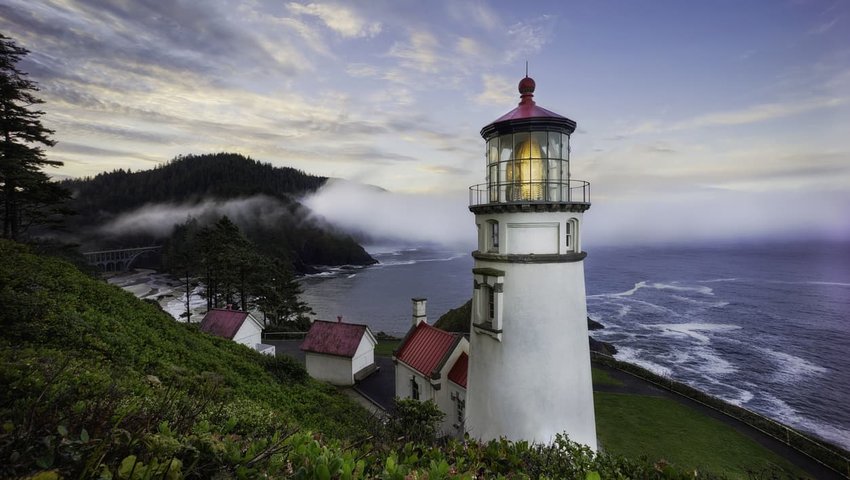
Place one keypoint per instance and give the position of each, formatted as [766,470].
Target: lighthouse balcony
[566,195]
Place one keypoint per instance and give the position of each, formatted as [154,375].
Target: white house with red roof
[431,364]
[236,325]
[339,353]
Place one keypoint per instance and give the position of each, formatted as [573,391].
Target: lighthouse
[529,358]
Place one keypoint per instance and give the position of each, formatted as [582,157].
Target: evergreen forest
[271,217]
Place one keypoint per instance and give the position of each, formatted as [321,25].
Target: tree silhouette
[28,196]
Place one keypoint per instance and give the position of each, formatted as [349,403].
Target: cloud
[445,170]
[474,12]
[469,47]
[497,90]
[160,219]
[420,53]
[825,26]
[388,217]
[753,114]
[708,215]
[340,19]
[529,37]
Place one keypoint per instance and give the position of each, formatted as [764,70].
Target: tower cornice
[530,257]
[529,207]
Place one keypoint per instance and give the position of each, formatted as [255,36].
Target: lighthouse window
[491,304]
[494,235]
[572,235]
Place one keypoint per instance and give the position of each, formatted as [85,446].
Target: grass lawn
[385,348]
[601,377]
[637,425]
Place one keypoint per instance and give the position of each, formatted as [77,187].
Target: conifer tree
[27,194]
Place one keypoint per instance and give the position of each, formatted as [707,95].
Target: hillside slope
[121,209]
[79,355]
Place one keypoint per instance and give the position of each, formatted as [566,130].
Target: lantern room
[528,158]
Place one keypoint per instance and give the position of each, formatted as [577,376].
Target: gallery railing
[520,192]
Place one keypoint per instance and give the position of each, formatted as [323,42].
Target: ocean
[766,327]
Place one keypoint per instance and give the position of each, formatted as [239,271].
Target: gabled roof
[334,338]
[458,372]
[224,323]
[426,349]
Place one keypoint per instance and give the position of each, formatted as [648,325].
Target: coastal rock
[594,325]
[604,348]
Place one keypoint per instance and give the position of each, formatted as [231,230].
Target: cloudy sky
[697,120]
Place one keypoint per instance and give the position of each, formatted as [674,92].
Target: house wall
[452,425]
[249,334]
[330,368]
[403,386]
[444,398]
[365,354]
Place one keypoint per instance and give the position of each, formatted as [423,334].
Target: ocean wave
[780,410]
[791,368]
[631,355]
[702,303]
[693,330]
[395,263]
[713,364]
[682,288]
[830,284]
[731,393]
[718,280]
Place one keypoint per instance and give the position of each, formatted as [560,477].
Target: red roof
[527,108]
[426,348]
[333,338]
[458,372]
[526,115]
[222,322]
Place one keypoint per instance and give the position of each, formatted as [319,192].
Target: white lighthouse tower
[529,359]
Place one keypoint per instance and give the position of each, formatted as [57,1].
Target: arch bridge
[118,260]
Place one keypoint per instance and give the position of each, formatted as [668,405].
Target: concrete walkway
[377,391]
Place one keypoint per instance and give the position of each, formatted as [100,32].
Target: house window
[460,404]
[414,389]
[572,235]
[494,235]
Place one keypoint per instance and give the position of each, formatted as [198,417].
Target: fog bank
[160,219]
[385,217]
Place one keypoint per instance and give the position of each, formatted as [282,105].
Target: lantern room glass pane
[493,150]
[554,146]
[521,147]
[506,147]
[565,146]
[554,177]
[540,144]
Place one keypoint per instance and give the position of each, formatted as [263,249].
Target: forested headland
[121,208]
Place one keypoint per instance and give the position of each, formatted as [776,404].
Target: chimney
[419,311]
[339,319]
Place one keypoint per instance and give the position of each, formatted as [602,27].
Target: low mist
[159,220]
[379,216]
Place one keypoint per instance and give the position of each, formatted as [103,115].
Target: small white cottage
[431,364]
[236,325]
[339,353]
